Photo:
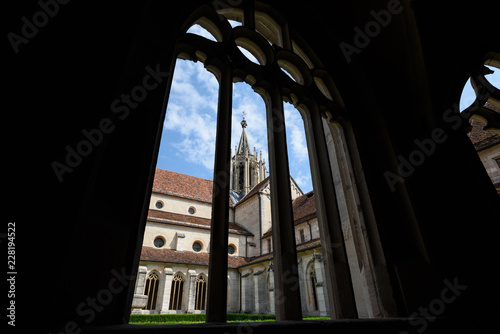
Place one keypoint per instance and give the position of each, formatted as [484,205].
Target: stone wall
[488,158]
[181,205]
[247,215]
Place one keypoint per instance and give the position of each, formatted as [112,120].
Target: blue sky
[468,95]
[188,139]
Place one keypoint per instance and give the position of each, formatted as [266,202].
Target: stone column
[246,292]
[337,273]
[140,300]
[320,286]
[271,289]
[302,265]
[286,279]
[191,277]
[260,291]
[169,274]
[373,292]
[217,270]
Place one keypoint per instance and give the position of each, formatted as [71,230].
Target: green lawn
[169,319]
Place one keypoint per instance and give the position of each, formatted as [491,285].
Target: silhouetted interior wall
[79,234]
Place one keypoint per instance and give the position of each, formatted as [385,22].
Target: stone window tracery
[285,70]
[313,294]
[176,292]
[151,290]
[201,292]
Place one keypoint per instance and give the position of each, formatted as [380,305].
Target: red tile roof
[173,256]
[304,209]
[182,185]
[190,221]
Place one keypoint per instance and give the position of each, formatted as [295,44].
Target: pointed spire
[243,122]
[243,146]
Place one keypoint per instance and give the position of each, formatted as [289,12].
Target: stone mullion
[337,273]
[286,279]
[217,271]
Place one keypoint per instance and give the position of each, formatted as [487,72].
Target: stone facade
[173,270]
[487,145]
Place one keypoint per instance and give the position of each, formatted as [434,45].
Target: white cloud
[190,124]
[191,115]
[295,133]
[303,181]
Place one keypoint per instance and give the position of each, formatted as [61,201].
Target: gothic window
[201,292]
[241,177]
[313,295]
[266,54]
[151,290]
[302,236]
[176,292]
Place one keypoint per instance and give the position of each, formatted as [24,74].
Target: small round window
[159,204]
[192,210]
[197,246]
[159,242]
[231,249]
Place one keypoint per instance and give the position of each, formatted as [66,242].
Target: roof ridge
[192,176]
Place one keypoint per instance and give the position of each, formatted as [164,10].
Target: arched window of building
[151,290]
[201,292]
[313,297]
[176,292]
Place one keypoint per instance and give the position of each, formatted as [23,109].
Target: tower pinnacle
[243,122]
[246,170]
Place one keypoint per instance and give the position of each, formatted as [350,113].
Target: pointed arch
[201,292]
[151,289]
[310,290]
[177,292]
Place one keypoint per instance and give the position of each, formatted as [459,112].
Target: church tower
[246,169]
